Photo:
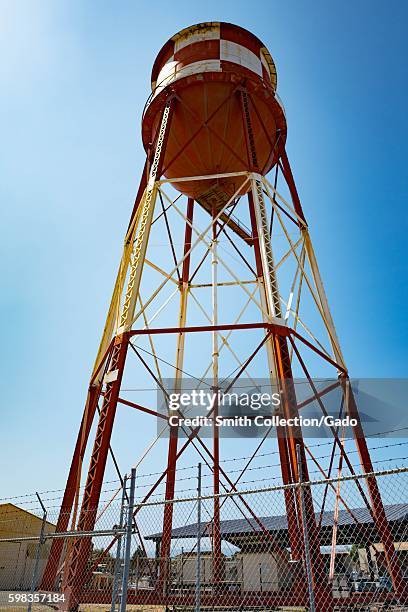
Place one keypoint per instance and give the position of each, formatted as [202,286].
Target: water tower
[213,128]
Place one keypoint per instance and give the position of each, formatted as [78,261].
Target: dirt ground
[83,608]
[129,608]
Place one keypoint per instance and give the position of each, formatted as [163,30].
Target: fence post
[118,560]
[37,556]
[126,561]
[137,572]
[198,560]
[305,533]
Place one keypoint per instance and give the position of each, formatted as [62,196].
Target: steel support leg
[287,478]
[293,436]
[78,559]
[173,439]
[80,552]
[379,515]
[217,569]
[54,558]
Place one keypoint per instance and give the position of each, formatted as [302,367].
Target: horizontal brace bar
[202,177]
[226,284]
[280,330]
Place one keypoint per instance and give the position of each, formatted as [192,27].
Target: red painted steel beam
[225,220]
[332,429]
[377,508]
[238,251]
[378,511]
[287,173]
[142,408]
[188,232]
[194,434]
[321,393]
[169,235]
[277,548]
[323,595]
[266,532]
[88,573]
[78,559]
[217,565]
[50,572]
[293,332]
[275,328]
[173,436]
[328,475]
[331,463]
[285,212]
[293,440]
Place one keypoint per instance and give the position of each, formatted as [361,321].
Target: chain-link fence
[321,545]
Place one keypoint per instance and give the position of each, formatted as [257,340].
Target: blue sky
[74,78]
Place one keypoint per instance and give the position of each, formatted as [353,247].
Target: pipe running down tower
[213,128]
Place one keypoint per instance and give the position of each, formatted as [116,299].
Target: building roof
[18,522]
[349,528]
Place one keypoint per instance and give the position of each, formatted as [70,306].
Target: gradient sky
[74,78]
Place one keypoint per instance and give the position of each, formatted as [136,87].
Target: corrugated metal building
[258,568]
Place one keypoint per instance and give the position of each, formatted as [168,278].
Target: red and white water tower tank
[205,67]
